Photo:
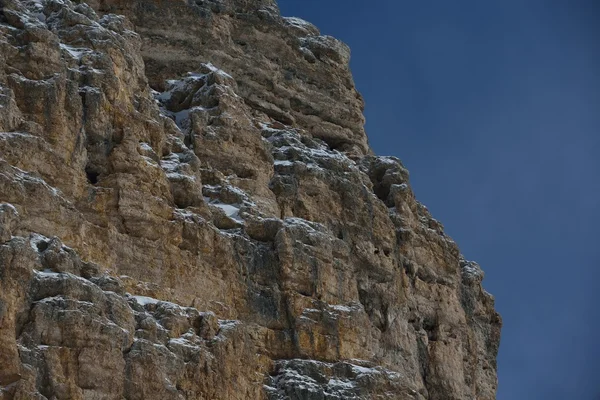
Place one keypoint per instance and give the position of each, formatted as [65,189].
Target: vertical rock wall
[189,210]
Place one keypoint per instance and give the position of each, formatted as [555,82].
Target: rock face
[189,210]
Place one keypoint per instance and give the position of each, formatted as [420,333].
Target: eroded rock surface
[189,210]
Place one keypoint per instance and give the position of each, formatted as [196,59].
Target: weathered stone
[189,209]
[8,218]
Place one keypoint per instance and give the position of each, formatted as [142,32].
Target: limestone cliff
[189,209]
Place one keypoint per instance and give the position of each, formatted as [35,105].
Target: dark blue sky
[494,107]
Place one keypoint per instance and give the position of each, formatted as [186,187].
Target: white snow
[4,135]
[313,157]
[47,272]
[341,308]
[339,384]
[188,215]
[91,69]
[149,161]
[85,89]
[226,325]
[313,226]
[218,71]
[291,377]
[183,342]
[164,96]
[237,190]
[160,346]
[311,310]
[231,210]
[178,84]
[286,163]
[170,163]
[145,146]
[307,27]
[75,52]
[297,21]
[335,307]
[184,84]
[36,238]
[181,116]
[13,208]
[336,387]
[358,370]
[472,270]
[144,300]
[363,370]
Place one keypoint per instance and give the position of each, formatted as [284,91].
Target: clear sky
[494,107]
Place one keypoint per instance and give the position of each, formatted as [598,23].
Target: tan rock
[189,210]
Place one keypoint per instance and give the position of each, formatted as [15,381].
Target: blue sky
[494,107]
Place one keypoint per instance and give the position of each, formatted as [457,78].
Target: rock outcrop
[189,209]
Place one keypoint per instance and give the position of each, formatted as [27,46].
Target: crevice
[430,325]
[336,144]
[423,355]
[42,245]
[92,175]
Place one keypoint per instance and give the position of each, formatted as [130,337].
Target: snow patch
[285,163]
[471,271]
[312,226]
[231,210]
[75,52]
[341,308]
[146,147]
[217,71]
[35,239]
[4,135]
[299,22]
[183,342]
[170,163]
[339,384]
[145,300]
[8,205]
[47,273]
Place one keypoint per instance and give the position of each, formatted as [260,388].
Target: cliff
[189,209]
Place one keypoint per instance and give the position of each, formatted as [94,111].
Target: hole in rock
[92,176]
[246,173]
[338,144]
[181,201]
[42,246]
